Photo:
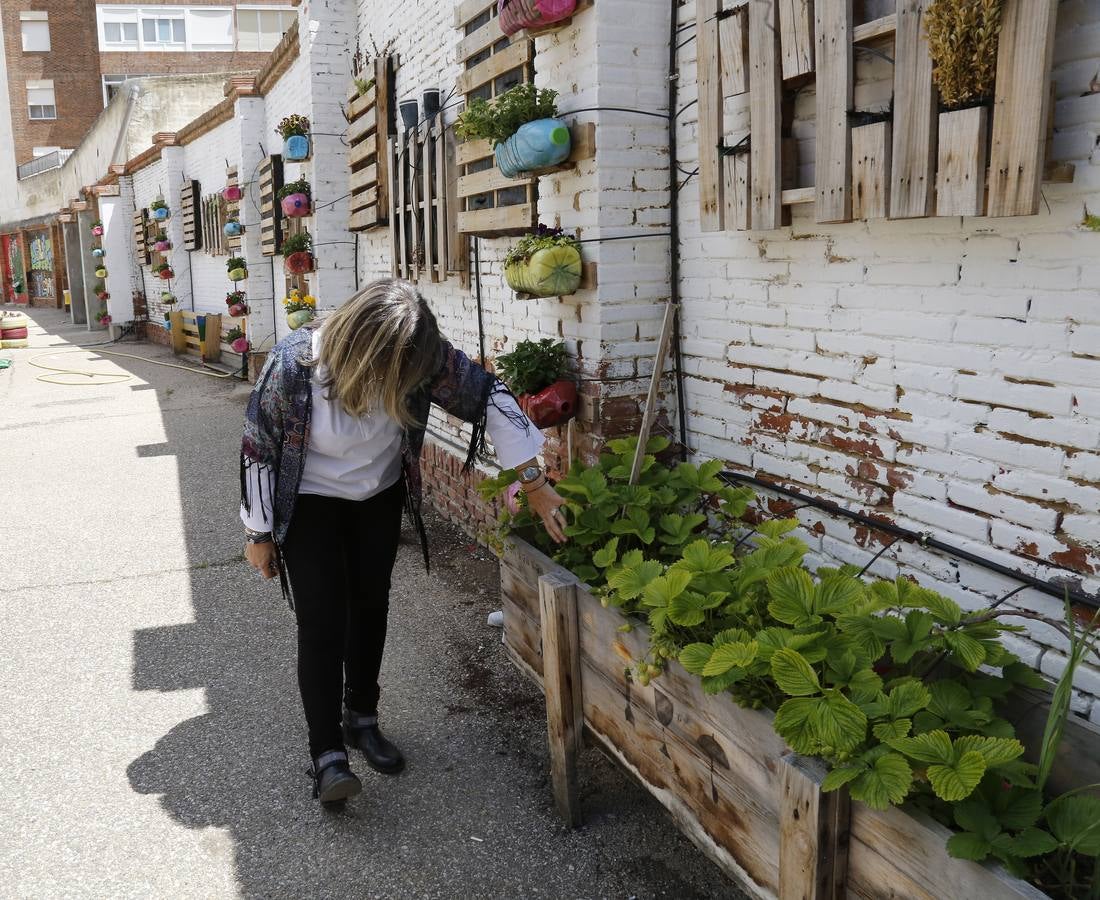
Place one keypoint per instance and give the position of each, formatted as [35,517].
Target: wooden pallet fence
[190,211]
[370,124]
[142,252]
[918,162]
[271,213]
[420,227]
[211,221]
[721,771]
[186,337]
[232,210]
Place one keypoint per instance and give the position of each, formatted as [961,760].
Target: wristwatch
[529,474]
[257,537]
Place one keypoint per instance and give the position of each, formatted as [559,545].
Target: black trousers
[339,556]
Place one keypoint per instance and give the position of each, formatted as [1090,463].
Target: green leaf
[727,656]
[1032,842]
[792,592]
[793,722]
[969,652]
[661,591]
[1018,807]
[995,751]
[730,636]
[973,815]
[907,699]
[957,780]
[945,610]
[793,674]
[918,628]
[1023,675]
[889,731]
[687,609]
[1075,821]
[715,684]
[968,846]
[632,580]
[607,555]
[701,558]
[932,747]
[865,685]
[837,594]
[886,782]
[839,723]
[694,657]
[841,775]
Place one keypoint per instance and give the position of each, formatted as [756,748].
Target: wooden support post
[796,26]
[561,670]
[912,174]
[179,339]
[833,153]
[212,346]
[1020,107]
[735,170]
[711,207]
[813,833]
[961,162]
[765,104]
[733,40]
[650,412]
[871,146]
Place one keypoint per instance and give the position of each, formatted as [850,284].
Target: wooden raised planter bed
[727,778]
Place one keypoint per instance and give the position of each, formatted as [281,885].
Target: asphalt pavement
[151,735]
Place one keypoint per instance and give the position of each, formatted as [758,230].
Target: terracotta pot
[161,246]
[238,309]
[298,318]
[299,263]
[231,193]
[240,345]
[238,274]
[553,405]
[161,214]
[97,230]
[165,274]
[295,206]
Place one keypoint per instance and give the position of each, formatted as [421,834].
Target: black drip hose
[477,293]
[674,230]
[1060,591]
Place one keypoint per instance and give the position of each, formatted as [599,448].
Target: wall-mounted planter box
[962,161]
[721,771]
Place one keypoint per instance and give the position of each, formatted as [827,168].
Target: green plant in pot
[363,86]
[297,253]
[537,371]
[299,309]
[546,263]
[160,210]
[523,128]
[294,130]
[237,268]
[295,199]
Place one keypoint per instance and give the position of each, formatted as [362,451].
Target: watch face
[529,474]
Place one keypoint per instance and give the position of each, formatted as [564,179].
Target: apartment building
[65,59]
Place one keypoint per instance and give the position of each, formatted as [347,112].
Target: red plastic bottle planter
[553,405]
[165,274]
[103,295]
[515,15]
[295,206]
[161,246]
[237,310]
[240,345]
[299,263]
[232,193]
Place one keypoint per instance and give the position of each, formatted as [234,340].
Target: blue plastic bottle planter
[97,251]
[296,147]
[232,229]
[537,145]
[160,213]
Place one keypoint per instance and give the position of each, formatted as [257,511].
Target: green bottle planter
[550,272]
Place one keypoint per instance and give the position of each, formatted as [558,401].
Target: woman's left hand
[546,503]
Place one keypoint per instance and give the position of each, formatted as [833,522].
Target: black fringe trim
[477,438]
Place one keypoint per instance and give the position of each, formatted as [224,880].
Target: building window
[113,83]
[119,27]
[120,32]
[162,30]
[40,100]
[35,28]
[210,29]
[260,30]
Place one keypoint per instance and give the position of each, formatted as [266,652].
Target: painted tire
[17,320]
[13,344]
[13,334]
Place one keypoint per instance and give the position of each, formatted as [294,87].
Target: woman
[330,455]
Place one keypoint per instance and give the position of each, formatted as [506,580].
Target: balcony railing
[44,163]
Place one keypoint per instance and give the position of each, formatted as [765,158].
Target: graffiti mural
[40,249]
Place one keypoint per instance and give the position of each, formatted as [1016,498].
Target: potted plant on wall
[162,243]
[101,271]
[164,271]
[297,253]
[237,268]
[516,15]
[522,126]
[235,338]
[232,227]
[167,298]
[97,252]
[295,133]
[536,372]
[546,263]
[238,310]
[962,39]
[97,228]
[232,193]
[299,309]
[295,199]
[103,317]
[100,290]
[160,210]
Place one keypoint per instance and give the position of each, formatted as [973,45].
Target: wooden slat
[799,196]
[472,151]
[364,218]
[442,206]
[414,208]
[813,832]
[796,35]
[735,172]
[362,152]
[913,155]
[961,162]
[833,142]
[733,41]
[271,228]
[710,130]
[502,220]
[361,105]
[364,178]
[649,414]
[487,180]
[875,29]
[362,129]
[764,113]
[391,193]
[496,65]
[479,40]
[1020,107]
[427,193]
[363,199]
[468,10]
[403,238]
[871,145]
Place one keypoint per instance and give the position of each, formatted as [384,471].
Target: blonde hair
[380,347]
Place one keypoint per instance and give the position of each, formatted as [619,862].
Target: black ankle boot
[362,732]
[333,780]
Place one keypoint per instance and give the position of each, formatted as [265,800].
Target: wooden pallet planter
[142,252]
[271,213]
[212,217]
[371,122]
[185,334]
[421,231]
[232,210]
[190,211]
[930,164]
[721,771]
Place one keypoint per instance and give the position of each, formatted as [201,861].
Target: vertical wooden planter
[271,214]
[721,771]
[370,125]
[961,162]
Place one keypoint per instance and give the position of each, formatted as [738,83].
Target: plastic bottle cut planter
[231,193]
[515,15]
[300,263]
[298,318]
[238,274]
[231,229]
[97,252]
[102,295]
[296,147]
[166,274]
[295,206]
[553,405]
[167,297]
[160,213]
[101,272]
[97,230]
[240,345]
[161,246]
[237,310]
[537,145]
[550,272]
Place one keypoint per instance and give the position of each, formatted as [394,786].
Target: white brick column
[261,284]
[172,164]
[118,258]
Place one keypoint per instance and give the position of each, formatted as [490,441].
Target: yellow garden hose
[54,373]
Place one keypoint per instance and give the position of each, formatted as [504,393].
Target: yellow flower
[310,300]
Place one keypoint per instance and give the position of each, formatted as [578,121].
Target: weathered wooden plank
[481,39]
[711,206]
[401,248]
[813,832]
[875,29]
[649,415]
[472,151]
[362,129]
[364,178]
[1020,107]
[179,338]
[362,152]
[361,105]
[496,65]
[799,196]
[391,193]
[427,193]
[485,181]
[468,10]
[871,146]
[733,41]
[383,76]
[212,346]
[561,681]
[736,172]
[412,202]
[796,35]
[363,199]
[912,179]
[501,220]
[442,201]
[364,218]
[961,162]
[764,115]
[833,141]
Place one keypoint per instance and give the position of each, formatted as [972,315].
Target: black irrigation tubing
[624,237]
[925,540]
[624,109]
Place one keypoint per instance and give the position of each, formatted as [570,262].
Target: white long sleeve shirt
[354,458]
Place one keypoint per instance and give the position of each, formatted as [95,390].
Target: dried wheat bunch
[962,38]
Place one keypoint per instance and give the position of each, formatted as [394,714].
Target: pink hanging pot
[295,206]
[240,345]
[515,15]
[231,193]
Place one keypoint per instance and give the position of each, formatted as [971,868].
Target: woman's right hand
[262,558]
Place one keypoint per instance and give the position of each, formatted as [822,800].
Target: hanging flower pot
[101,272]
[545,264]
[299,309]
[167,298]
[300,317]
[296,147]
[160,210]
[553,405]
[300,263]
[166,273]
[97,228]
[232,228]
[234,297]
[238,309]
[240,345]
[102,295]
[537,145]
[295,198]
[236,339]
[237,268]
[515,15]
[231,193]
[97,251]
[239,274]
[162,246]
